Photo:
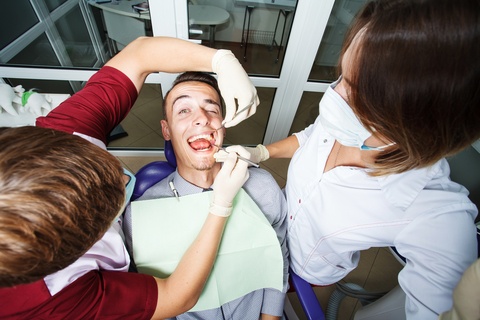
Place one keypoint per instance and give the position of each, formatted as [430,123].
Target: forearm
[179,292]
[161,54]
[284,148]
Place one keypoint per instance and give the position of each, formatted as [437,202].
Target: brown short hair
[58,195]
[416,78]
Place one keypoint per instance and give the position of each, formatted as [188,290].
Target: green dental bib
[249,257]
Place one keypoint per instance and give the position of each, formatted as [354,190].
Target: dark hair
[416,78]
[58,195]
[194,76]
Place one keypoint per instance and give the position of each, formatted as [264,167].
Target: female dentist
[371,170]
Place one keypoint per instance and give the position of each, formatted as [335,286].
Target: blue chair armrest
[307,297]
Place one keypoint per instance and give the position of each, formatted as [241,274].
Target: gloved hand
[220,156]
[228,181]
[234,84]
[258,154]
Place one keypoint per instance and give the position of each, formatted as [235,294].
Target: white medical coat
[334,215]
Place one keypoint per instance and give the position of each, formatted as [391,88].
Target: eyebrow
[179,98]
[186,96]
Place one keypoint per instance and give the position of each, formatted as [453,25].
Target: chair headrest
[169,154]
[154,172]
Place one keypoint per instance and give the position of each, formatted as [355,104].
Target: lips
[201,142]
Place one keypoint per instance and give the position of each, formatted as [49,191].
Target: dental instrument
[256,165]
[175,192]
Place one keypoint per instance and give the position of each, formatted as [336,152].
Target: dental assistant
[371,170]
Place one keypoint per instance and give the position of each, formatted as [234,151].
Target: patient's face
[193,113]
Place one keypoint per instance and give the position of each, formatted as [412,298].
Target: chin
[203,166]
[203,162]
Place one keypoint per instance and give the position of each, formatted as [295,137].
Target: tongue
[200,144]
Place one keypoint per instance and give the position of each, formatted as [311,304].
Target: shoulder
[103,289]
[263,188]
[96,109]
[99,291]
[158,190]
[260,179]
[260,175]
[19,300]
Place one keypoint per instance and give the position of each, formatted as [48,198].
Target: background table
[284,7]
[207,16]
[122,23]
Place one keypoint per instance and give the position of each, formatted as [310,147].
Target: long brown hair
[416,78]
[58,195]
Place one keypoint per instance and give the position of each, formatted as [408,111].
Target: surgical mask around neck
[128,191]
[130,185]
[339,120]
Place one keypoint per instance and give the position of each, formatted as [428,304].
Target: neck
[200,178]
[349,156]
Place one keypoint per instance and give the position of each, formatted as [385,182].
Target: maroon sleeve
[95,110]
[95,295]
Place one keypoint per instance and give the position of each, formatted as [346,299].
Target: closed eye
[214,111]
[212,107]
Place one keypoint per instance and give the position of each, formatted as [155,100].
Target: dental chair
[307,297]
[375,305]
[154,172]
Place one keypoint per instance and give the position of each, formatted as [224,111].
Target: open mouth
[202,142]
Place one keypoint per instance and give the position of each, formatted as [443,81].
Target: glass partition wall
[289,48]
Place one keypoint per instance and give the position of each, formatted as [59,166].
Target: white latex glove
[228,181]
[258,154]
[234,85]
[220,156]
[254,157]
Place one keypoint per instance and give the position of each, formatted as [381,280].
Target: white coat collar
[402,189]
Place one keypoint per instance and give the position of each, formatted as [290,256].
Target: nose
[201,118]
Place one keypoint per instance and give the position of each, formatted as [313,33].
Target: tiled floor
[377,270]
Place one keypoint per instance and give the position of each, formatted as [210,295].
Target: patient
[193,112]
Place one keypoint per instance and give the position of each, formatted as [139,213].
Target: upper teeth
[201,136]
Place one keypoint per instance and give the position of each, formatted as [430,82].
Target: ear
[165,130]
